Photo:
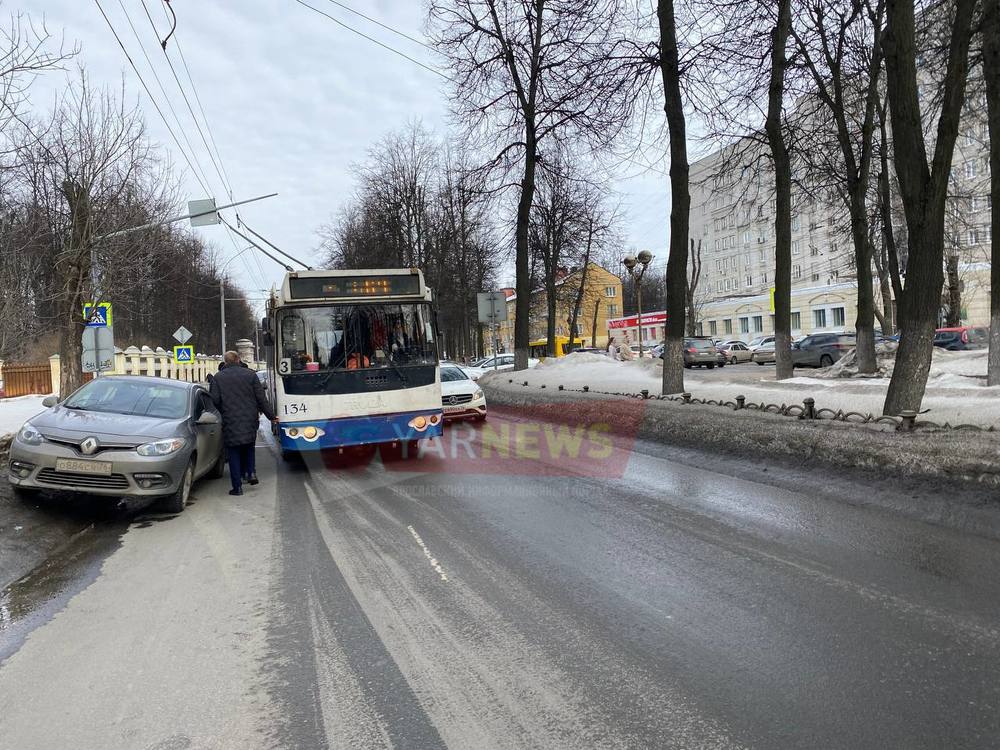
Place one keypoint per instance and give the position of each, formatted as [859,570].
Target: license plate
[83,467]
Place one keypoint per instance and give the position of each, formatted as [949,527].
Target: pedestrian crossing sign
[184,354]
[97,316]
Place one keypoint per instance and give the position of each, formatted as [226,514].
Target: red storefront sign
[648,319]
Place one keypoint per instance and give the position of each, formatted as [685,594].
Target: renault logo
[88,446]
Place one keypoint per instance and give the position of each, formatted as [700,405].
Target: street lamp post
[632,265]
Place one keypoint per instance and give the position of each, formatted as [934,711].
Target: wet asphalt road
[358,606]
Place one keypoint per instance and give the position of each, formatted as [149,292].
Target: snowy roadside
[14,412]
[956,391]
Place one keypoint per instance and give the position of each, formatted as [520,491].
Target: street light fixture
[632,265]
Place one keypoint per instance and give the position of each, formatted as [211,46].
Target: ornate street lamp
[632,265]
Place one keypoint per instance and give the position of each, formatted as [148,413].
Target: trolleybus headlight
[435,418]
[309,433]
[418,423]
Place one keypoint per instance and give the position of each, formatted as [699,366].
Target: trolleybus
[352,358]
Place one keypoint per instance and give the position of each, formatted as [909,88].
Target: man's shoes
[236,492]
[252,479]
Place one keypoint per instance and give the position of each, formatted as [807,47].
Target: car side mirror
[207,417]
[49,401]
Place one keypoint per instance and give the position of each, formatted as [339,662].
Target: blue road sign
[184,354]
[97,317]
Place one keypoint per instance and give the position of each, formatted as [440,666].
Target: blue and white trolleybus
[353,359]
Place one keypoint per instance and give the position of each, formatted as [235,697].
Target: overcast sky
[292,100]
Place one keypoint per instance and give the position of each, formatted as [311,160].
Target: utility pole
[222,313]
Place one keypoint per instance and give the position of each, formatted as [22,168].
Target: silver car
[121,436]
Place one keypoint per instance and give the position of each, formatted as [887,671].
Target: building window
[973,203]
[796,321]
[819,318]
[815,277]
[970,169]
[610,291]
[744,325]
[698,330]
[796,248]
[713,328]
[762,236]
[612,311]
[727,325]
[973,236]
[746,238]
[758,323]
[796,272]
[839,317]
[578,329]
[749,280]
[718,244]
[718,286]
[796,223]
[746,259]
[718,264]
[814,251]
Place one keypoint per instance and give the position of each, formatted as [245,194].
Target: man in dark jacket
[239,395]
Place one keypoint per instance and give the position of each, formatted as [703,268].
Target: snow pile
[14,412]
[954,394]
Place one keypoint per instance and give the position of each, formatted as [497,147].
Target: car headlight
[477,395]
[29,435]
[162,447]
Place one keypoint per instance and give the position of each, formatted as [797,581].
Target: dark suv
[962,338]
[822,349]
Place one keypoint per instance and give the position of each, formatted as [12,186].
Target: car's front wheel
[825,361]
[175,503]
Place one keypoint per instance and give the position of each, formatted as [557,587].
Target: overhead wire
[159,83]
[149,93]
[379,23]
[395,51]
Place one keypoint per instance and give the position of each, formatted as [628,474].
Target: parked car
[461,396]
[962,338]
[121,436]
[814,350]
[502,362]
[822,349]
[736,352]
[700,351]
[759,342]
[763,354]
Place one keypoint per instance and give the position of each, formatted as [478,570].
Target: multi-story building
[601,300]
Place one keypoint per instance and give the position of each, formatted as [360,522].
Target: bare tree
[838,46]
[923,185]
[782,190]
[680,199]
[525,72]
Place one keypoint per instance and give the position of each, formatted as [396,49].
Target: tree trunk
[783,195]
[73,269]
[923,189]
[522,305]
[593,326]
[692,288]
[680,201]
[550,318]
[954,317]
[864,324]
[991,74]
[574,316]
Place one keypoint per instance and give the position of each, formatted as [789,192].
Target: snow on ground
[14,412]
[956,391]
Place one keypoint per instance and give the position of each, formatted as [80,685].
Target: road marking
[427,553]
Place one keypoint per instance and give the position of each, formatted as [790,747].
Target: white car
[761,342]
[499,362]
[461,397]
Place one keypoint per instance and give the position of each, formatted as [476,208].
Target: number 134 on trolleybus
[353,359]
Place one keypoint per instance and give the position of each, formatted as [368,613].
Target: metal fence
[905,422]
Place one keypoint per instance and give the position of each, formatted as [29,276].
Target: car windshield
[132,398]
[450,374]
[352,337]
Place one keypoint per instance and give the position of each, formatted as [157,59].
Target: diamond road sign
[182,334]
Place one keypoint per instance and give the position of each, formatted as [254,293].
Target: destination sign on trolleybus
[313,287]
